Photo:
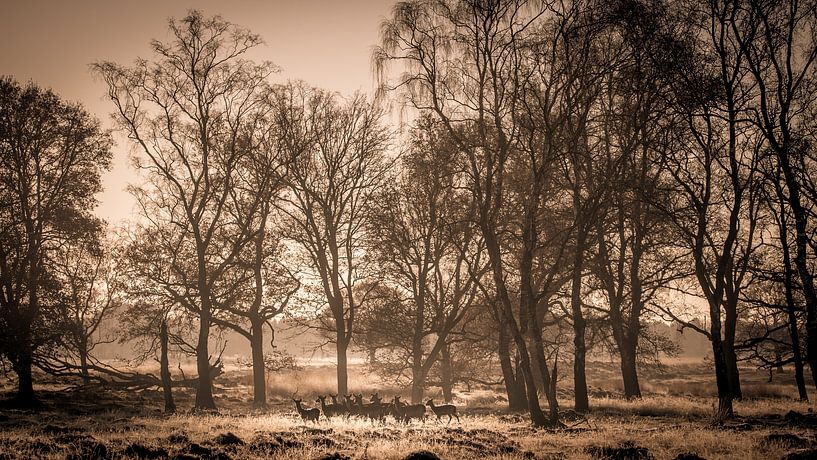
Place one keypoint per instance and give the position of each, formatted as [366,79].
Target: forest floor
[673,420]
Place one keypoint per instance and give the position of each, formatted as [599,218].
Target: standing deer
[330,410]
[351,406]
[343,407]
[307,413]
[404,412]
[446,409]
[374,410]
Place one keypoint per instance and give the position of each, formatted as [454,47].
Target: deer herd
[375,409]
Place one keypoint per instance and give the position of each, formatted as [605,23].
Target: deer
[374,410]
[343,407]
[379,409]
[446,409]
[351,406]
[307,413]
[404,412]
[330,410]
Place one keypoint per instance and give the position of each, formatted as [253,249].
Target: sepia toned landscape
[425,229]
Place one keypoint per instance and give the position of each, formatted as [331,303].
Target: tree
[273,286]
[52,154]
[262,283]
[421,239]
[338,145]
[714,170]
[775,299]
[150,318]
[188,112]
[467,63]
[635,257]
[91,293]
[780,54]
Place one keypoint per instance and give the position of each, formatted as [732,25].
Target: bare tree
[51,156]
[780,43]
[263,283]
[338,145]
[635,257]
[421,243]
[92,295]
[186,112]
[463,63]
[714,169]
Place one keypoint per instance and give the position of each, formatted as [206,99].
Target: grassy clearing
[666,423]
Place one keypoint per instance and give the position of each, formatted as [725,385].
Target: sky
[324,42]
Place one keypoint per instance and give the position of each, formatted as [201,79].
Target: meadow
[672,421]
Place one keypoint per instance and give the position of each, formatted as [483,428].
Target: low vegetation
[673,421]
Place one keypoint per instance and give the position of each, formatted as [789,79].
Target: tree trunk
[733,374]
[528,311]
[506,314]
[446,374]
[722,379]
[204,389]
[725,395]
[791,308]
[729,355]
[548,385]
[797,357]
[164,371]
[343,374]
[25,382]
[537,416]
[83,362]
[259,371]
[517,401]
[582,403]
[417,386]
[629,369]
[800,259]
[25,354]
[632,335]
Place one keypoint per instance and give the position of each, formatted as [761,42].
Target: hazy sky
[327,43]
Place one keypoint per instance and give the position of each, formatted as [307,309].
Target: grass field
[672,421]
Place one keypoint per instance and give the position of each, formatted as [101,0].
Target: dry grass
[663,424]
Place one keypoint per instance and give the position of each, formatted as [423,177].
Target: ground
[672,420]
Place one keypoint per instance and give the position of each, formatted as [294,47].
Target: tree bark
[418,375]
[722,380]
[517,401]
[800,259]
[259,371]
[342,371]
[528,310]
[629,369]
[791,308]
[506,314]
[730,357]
[632,335]
[164,370]
[725,395]
[25,382]
[548,384]
[25,353]
[582,403]
[446,374]
[797,356]
[83,361]
[417,385]
[204,387]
